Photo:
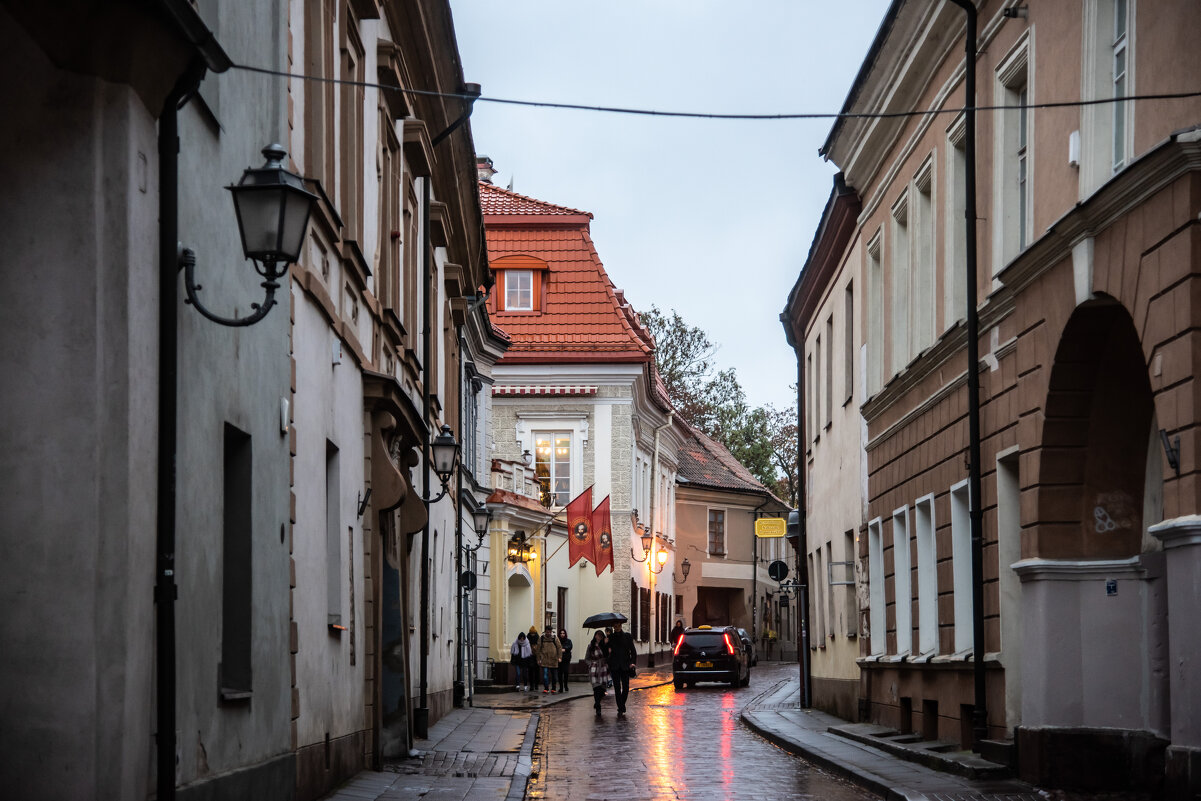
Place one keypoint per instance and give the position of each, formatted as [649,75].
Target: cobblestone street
[673,745]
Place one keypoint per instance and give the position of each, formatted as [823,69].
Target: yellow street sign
[770,527]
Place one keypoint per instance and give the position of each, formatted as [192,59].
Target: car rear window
[706,640]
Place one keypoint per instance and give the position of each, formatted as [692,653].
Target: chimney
[484,169]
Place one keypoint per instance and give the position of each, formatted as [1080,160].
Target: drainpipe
[802,545]
[460,654]
[165,588]
[650,651]
[755,571]
[421,715]
[979,708]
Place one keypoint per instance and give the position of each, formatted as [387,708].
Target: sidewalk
[478,753]
[777,715]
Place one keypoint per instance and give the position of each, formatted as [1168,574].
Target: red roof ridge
[494,200]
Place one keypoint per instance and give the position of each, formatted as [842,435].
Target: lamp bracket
[363,502]
[1171,449]
[268,270]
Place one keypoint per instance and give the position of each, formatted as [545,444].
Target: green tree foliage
[714,402]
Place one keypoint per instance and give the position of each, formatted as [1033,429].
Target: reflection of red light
[676,651]
[729,645]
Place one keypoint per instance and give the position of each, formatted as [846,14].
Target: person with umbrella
[597,657]
[622,660]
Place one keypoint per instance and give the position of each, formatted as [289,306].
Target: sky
[711,218]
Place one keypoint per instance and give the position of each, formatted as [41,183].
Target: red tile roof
[705,462]
[583,319]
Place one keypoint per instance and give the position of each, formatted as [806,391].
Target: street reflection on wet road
[687,744]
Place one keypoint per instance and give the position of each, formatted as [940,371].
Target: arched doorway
[519,604]
[1094,692]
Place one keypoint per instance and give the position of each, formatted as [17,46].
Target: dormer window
[519,290]
[521,282]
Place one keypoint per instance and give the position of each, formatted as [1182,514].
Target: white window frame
[1098,160]
[902,580]
[900,289]
[553,477]
[961,565]
[924,529]
[875,315]
[876,599]
[530,422]
[1013,156]
[514,288]
[725,531]
[923,269]
[955,249]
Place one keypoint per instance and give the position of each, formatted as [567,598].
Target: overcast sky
[711,218]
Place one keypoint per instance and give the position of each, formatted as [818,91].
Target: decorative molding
[418,151]
[1179,532]
[1078,569]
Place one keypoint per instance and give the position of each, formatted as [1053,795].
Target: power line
[881,115]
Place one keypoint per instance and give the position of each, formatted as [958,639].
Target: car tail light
[729,645]
[676,651]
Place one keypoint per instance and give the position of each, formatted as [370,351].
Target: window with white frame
[903,580]
[1120,69]
[519,290]
[829,370]
[848,342]
[961,567]
[717,532]
[1012,159]
[899,276]
[850,598]
[875,586]
[552,466]
[875,317]
[954,284]
[924,307]
[927,575]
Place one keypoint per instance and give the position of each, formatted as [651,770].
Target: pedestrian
[677,631]
[549,653]
[565,662]
[519,655]
[622,661]
[597,657]
[531,662]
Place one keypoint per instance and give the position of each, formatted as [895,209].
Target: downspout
[165,589]
[650,651]
[802,533]
[421,715]
[755,570]
[460,653]
[975,514]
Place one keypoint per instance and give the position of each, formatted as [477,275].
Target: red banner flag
[602,527]
[580,542]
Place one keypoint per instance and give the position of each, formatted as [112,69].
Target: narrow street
[686,745]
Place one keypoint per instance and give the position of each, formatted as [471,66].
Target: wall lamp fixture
[519,550]
[273,209]
[479,520]
[685,566]
[444,453]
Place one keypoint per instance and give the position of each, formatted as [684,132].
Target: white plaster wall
[78,322]
[328,407]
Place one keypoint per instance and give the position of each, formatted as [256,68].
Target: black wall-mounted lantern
[273,209]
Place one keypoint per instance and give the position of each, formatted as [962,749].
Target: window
[817,385]
[1105,136]
[829,370]
[875,586]
[351,145]
[1011,196]
[519,290]
[644,614]
[810,425]
[961,567]
[319,95]
[848,342]
[236,567]
[903,579]
[552,466]
[1119,50]
[900,286]
[717,532]
[333,535]
[875,317]
[850,598]
[927,576]
[954,284]
[922,297]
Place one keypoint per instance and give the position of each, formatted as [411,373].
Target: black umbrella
[604,619]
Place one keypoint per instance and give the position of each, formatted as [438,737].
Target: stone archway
[1093,459]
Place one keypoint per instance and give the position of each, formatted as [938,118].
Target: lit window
[552,465]
[519,290]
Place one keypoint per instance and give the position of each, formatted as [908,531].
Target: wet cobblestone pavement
[687,745]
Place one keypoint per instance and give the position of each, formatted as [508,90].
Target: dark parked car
[749,644]
[708,653]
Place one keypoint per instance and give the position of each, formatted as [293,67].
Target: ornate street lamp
[685,566]
[273,209]
[444,454]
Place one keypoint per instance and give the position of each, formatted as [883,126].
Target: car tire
[679,685]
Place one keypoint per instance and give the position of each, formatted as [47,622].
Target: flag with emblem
[602,528]
[580,542]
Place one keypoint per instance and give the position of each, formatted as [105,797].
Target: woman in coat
[519,654]
[549,653]
[597,657]
[565,660]
[531,663]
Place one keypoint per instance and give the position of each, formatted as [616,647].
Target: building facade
[822,322]
[1087,255]
[577,395]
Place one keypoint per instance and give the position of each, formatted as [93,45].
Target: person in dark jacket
[531,664]
[565,663]
[597,657]
[622,659]
[677,632]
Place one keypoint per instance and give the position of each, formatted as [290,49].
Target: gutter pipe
[975,514]
[650,653]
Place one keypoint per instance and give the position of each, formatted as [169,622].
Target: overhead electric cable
[878,115]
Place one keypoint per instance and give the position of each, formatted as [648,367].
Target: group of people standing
[611,659]
[547,655]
